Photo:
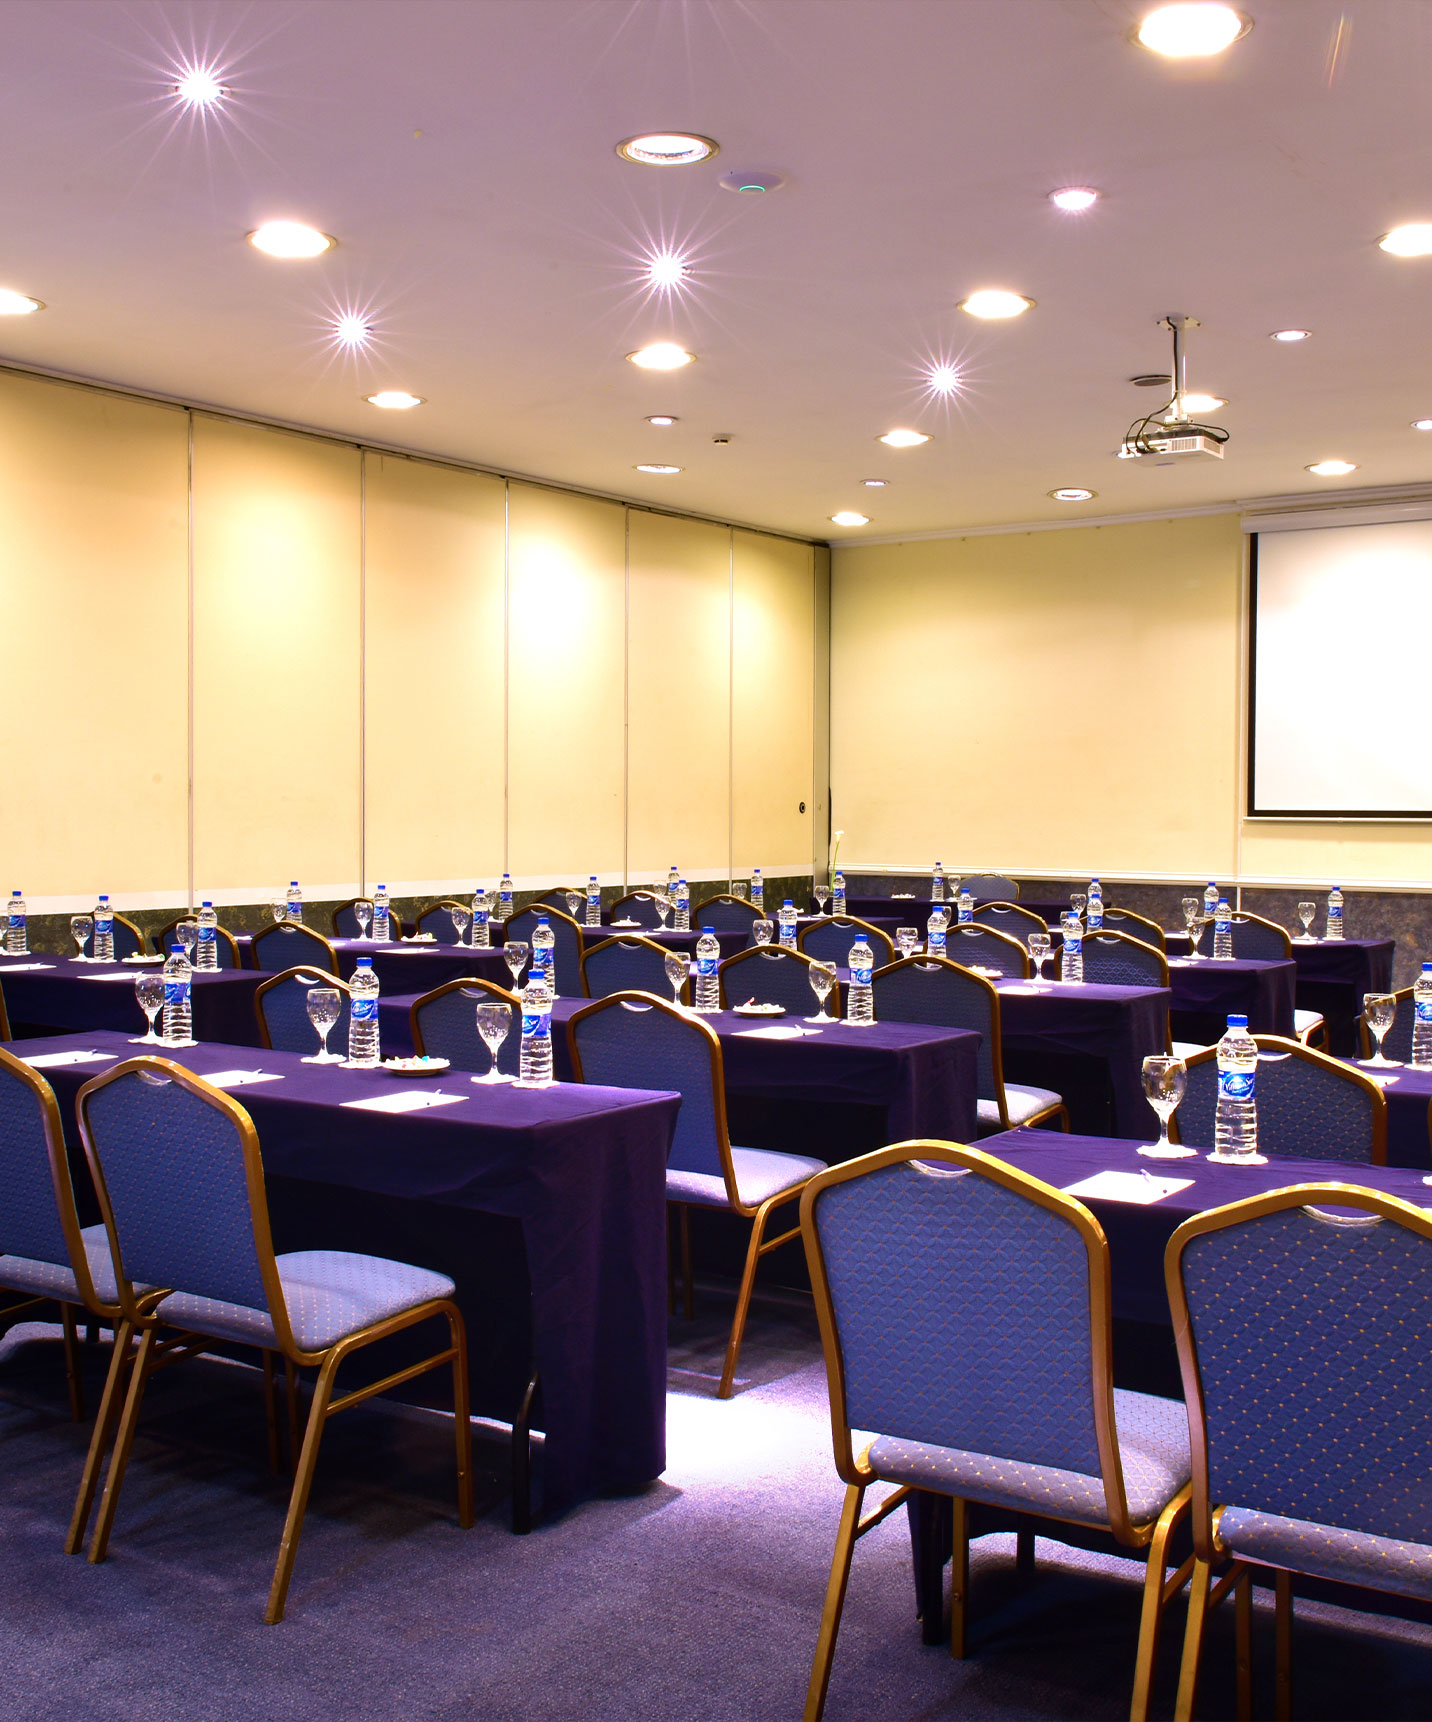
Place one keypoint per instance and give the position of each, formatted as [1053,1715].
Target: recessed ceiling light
[904,438]
[655,466]
[1073,198]
[394,400]
[666,269]
[1291,335]
[13,304]
[994,302]
[667,149]
[1412,239]
[1332,468]
[351,330]
[1422,424]
[1073,493]
[1202,403]
[943,379]
[661,356]
[875,483]
[848,517]
[290,239]
[1192,29]
[199,86]
[661,419]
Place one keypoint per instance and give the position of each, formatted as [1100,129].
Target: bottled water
[837,894]
[682,899]
[594,902]
[860,994]
[758,889]
[534,1065]
[1071,951]
[937,885]
[178,1021]
[965,909]
[481,912]
[786,920]
[544,959]
[17,938]
[1235,1123]
[1096,906]
[673,879]
[206,950]
[935,932]
[1422,1020]
[103,946]
[1223,931]
[708,984]
[295,901]
[1335,913]
[1210,898]
[363,1015]
[382,925]
[504,898]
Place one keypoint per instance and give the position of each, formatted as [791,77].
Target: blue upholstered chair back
[1314,1344]
[633,1046]
[1120,962]
[726,914]
[448,1024]
[942,995]
[1139,927]
[962,1314]
[557,898]
[974,946]
[566,949]
[626,965]
[770,974]
[286,945]
[989,888]
[224,947]
[829,941]
[284,1008]
[437,920]
[1258,941]
[1006,918]
[128,940]
[29,1218]
[1397,1042]
[638,906]
[173,1165]
[1308,1108]
[345,923]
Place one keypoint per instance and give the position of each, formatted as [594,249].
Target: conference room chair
[771,974]
[629,964]
[973,946]
[225,945]
[966,1320]
[289,944]
[1397,1042]
[989,888]
[1119,960]
[724,913]
[556,898]
[935,991]
[129,940]
[1006,918]
[345,922]
[566,948]
[1137,926]
[638,906]
[1309,1106]
[1304,1336]
[632,1040]
[281,1010]
[443,1023]
[1256,939]
[437,919]
[179,1176]
[4,1015]
[829,939]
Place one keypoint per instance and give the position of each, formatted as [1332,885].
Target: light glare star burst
[199,85]
[666,270]
[943,379]
[350,329]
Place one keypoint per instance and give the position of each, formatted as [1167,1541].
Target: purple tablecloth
[581,1170]
[1206,993]
[731,939]
[1333,974]
[73,995]
[1409,1113]
[404,968]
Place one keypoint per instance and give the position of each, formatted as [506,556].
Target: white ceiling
[463,155]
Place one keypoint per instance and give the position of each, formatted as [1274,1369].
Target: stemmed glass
[461,919]
[1306,913]
[1192,910]
[821,893]
[575,900]
[187,933]
[494,1024]
[324,1005]
[1040,945]
[81,926]
[1079,902]
[738,889]
[1165,1080]
[763,931]
[678,969]
[149,990]
[363,915]
[907,938]
[663,907]
[279,910]
[822,979]
[1379,1012]
[515,953]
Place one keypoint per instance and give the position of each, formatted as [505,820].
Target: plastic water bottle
[103,946]
[1210,898]
[363,1015]
[965,908]
[1335,913]
[935,932]
[786,921]
[17,937]
[1071,950]
[1235,1123]
[295,901]
[837,894]
[1422,1020]
[1095,913]
[708,984]
[860,994]
[673,879]
[382,926]
[504,898]
[544,958]
[206,946]
[481,912]
[178,1019]
[534,1064]
[594,901]
[681,921]
[758,889]
[1223,931]
[937,885]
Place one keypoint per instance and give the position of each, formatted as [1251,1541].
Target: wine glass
[678,969]
[821,894]
[822,979]
[324,1006]
[1078,902]
[763,931]
[739,888]
[1379,1012]
[515,953]
[279,909]
[363,915]
[1040,945]
[461,918]
[187,933]
[575,900]
[663,907]
[908,939]
[149,990]
[81,926]
[1195,927]
[494,1024]
[1165,1080]
[1306,914]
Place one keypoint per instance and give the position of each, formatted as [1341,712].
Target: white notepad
[52,1060]
[239,1078]
[777,1031]
[128,979]
[405,1100]
[23,968]
[1141,1188]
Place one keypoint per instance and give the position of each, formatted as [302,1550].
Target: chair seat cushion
[1021,1102]
[1306,1022]
[760,1174]
[1153,1445]
[1187,1048]
[329,1293]
[56,1280]
[1326,1551]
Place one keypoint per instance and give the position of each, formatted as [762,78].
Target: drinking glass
[822,979]
[279,909]
[81,926]
[363,915]
[324,1005]
[494,1024]
[1165,1079]
[678,968]
[1306,914]
[1040,945]
[461,918]
[1379,1012]
[763,931]
[187,933]
[515,953]
[663,907]
[149,990]
[1195,933]
[1078,902]
[907,938]
[738,889]
[575,899]
[821,893]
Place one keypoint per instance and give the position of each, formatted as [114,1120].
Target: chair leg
[834,1603]
[123,1441]
[1243,1642]
[688,1287]
[302,1484]
[522,1462]
[462,1420]
[1158,1593]
[1283,1640]
[743,1302]
[99,1439]
[959,1579]
[929,1533]
[1193,1640]
[1024,1553]
[73,1378]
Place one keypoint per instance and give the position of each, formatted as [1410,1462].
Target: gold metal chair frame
[957,930]
[141,1315]
[133,927]
[395,920]
[855,1471]
[758,1215]
[469,984]
[305,936]
[642,894]
[878,941]
[1208,1551]
[316,977]
[1403,995]
[1149,932]
[539,908]
[629,939]
[167,932]
[1245,917]
[1026,918]
[1274,1043]
[753,952]
[4,1017]
[727,897]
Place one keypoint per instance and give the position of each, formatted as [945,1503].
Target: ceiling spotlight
[290,239]
[394,400]
[904,438]
[661,419]
[667,149]
[13,304]
[199,87]
[1291,335]
[1073,493]
[654,466]
[1332,468]
[1422,424]
[848,517]
[1412,239]
[995,302]
[1192,29]
[1073,198]
[943,379]
[666,269]
[875,483]
[1201,403]
[661,356]
[351,330]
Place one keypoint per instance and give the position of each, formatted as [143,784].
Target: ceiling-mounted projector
[1170,433]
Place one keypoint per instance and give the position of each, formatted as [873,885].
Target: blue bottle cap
[206,904]
[104,896]
[1426,968]
[365,962]
[1223,902]
[541,920]
[382,887]
[787,904]
[1238,1022]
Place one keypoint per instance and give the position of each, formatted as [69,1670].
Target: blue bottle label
[707,965]
[1335,911]
[966,915]
[536,1023]
[176,993]
[1096,916]
[1074,944]
[17,921]
[479,917]
[104,923]
[1235,1084]
[937,942]
[364,1010]
[206,934]
[1423,1007]
[861,977]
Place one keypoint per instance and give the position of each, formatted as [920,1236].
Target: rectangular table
[579,1174]
[730,939]
[1207,992]
[62,995]
[1409,1112]
[404,968]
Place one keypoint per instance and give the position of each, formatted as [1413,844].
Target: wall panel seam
[189,656]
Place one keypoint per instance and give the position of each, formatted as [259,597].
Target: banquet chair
[287,944]
[936,991]
[281,1008]
[632,1040]
[566,948]
[638,906]
[4,1015]
[556,898]
[444,1025]
[345,922]
[436,919]
[1304,1336]
[1397,1042]
[966,1320]
[975,947]
[772,974]
[1119,960]
[1308,1105]
[1256,939]
[1137,926]
[1010,919]
[829,939]
[628,963]
[988,888]
[225,945]
[129,940]
[726,914]
[179,1177]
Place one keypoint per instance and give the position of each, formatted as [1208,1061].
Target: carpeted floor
[696,1602]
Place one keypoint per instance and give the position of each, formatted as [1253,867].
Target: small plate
[626,923]
[419,938]
[138,962]
[416,1066]
[759,1010]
